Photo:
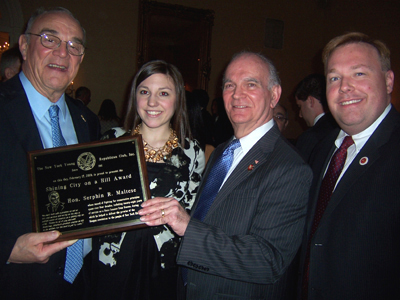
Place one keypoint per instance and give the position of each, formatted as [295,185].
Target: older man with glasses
[281,117]
[35,113]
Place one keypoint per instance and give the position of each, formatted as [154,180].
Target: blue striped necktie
[74,259]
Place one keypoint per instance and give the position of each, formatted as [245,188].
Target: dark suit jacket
[19,134]
[253,228]
[308,139]
[355,252]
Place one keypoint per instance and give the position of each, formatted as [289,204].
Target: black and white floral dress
[140,264]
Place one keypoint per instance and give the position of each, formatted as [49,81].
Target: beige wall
[110,61]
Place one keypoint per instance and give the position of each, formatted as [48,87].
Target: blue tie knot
[233,146]
[53,111]
[214,180]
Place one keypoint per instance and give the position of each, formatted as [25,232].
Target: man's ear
[311,101]
[23,45]
[276,92]
[389,77]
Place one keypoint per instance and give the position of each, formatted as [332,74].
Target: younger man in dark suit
[351,245]
[31,267]
[10,63]
[245,227]
[311,100]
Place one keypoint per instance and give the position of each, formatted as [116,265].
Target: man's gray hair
[42,11]
[273,73]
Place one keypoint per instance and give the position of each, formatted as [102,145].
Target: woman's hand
[160,211]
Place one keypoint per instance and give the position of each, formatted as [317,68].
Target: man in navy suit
[244,245]
[31,267]
[311,100]
[351,243]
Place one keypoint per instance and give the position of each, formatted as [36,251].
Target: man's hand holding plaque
[37,247]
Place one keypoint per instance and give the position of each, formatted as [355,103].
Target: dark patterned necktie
[74,259]
[325,194]
[214,180]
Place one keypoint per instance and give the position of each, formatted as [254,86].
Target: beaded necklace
[152,154]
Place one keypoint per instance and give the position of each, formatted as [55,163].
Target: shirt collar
[361,138]
[39,103]
[318,117]
[248,141]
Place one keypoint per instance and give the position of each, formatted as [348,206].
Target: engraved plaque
[88,189]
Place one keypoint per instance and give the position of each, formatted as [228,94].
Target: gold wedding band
[162,213]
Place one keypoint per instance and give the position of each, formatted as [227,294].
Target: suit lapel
[319,162]
[371,151]
[255,158]
[20,116]
[80,123]
[18,110]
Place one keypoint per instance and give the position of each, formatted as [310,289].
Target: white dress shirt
[246,143]
[360,139]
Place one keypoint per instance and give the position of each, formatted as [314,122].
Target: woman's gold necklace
[152,154]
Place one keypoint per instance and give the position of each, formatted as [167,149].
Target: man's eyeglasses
[52,42]
[280,118]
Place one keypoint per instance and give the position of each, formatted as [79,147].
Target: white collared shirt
[317,118]
[246,143]
[360,139]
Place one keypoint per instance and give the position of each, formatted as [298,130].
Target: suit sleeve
[256,231]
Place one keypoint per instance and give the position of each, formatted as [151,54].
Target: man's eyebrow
[77,40]
[330,71]
[333,70]
[361,66]
[55,32]
[49,31]
[251,79]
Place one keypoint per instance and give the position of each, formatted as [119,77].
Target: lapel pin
[256,161]
[363,160]
[250,167]
[83,118]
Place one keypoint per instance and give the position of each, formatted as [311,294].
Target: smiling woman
[156,100]
[141,264]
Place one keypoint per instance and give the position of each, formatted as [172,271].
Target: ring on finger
[162,213]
